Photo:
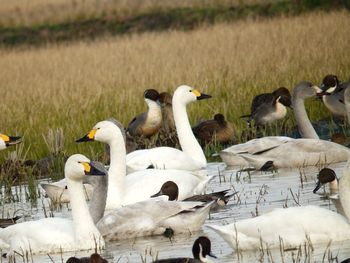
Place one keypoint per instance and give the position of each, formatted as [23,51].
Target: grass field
[71,87]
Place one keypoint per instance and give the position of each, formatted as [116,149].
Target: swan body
[153,217]
[140,185]
[293,225]
[278,152]
[51,235]
[192,157]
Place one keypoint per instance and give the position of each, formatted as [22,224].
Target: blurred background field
[54,92]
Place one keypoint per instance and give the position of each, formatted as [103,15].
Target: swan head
[78,165]
[202,248]
[186,94]
[105,131]
[170,189]
[305,89]
[325,176]
[329,85]
[6,141]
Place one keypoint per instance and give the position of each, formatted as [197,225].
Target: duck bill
[157,194]
[318,186]
[13,140]
[212,255]
[322,93]
[203,96]
[94,168]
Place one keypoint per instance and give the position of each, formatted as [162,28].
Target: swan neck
[188,142]
[83,224]
[116,174]
[344,193]
[304,125]
[98,200]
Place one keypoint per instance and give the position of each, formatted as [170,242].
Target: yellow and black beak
[10,140]
[94,168]
[88,137]
[200,96]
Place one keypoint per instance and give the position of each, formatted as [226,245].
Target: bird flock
[162,190]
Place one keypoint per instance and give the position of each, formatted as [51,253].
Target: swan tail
[233,159]
[257,161]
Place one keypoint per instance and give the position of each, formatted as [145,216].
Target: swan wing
[142,218]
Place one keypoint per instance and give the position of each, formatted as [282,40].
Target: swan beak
[10,140]
[88,137]
[318,186]
[200,96]
[94,168]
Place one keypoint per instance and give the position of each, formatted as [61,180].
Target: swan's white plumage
[294,225]
[51,235]
[190,158]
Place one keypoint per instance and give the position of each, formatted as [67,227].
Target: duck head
[170,189]
[202,248]
[329,85]
[325,176]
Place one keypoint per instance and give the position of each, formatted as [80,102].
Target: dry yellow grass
[29,12]
[74,86]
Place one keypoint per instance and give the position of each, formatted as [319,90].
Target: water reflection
[258,193]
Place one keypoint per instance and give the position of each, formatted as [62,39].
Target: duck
[327,176]
[171,190]
[333,94]
[165,99]
[6,141]
[216,130]
[275,152]
[201,249]
[191,157]
[293,226]
[269,107]
[147,123]
[5,222]
[94,258]
[140,185]
[52,235]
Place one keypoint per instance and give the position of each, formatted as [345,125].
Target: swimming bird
[269,107]
[201,249]
[191,157]
[327,175]
[165,100]
[5,222]
[333,94]
[140,185]
[171,190]
[6,141]
[147,123]
[216,130]
[279,151]
[291,227]
[94,258]
[50,235]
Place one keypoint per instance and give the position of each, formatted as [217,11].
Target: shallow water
[258,193]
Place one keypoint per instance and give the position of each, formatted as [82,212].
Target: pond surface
[259,192]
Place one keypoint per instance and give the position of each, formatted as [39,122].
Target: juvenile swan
[279,151]
[191,157]
[137,186]
[292,225]
[51,235]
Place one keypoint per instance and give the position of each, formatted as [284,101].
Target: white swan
[280,151]
[191,157]
[137,186]
[50,235]
[292,225]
